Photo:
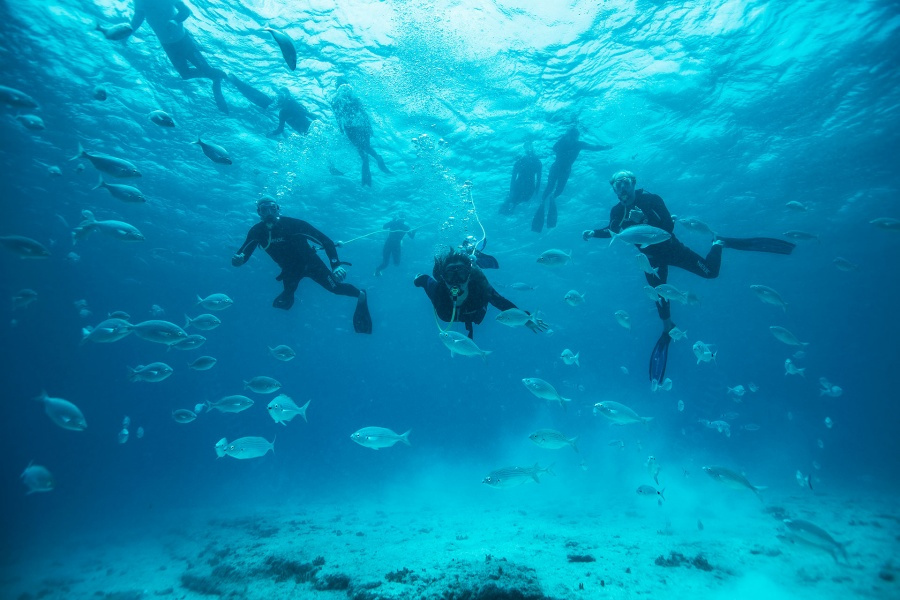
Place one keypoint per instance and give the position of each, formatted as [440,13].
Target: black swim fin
[761,244]
[551,214]
[486,261]
[537,223]
[659,356]
[362,320]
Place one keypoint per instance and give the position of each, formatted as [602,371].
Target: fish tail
[403,438]
[574,443]
[577,364]
[303,411]
[80,152]
[187,323]
[272,443]
[99,185]
[484,354]
[132,374]
[43,396]
[661,492]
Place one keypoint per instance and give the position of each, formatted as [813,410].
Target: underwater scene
[449,299]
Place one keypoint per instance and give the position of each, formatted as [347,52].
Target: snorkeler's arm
[499,301]
[246,250]
[316,236]
[183,12]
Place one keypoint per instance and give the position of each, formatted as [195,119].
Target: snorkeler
[459,292]
[525,182]
[397,229]
[291,112]
[287,240]
[639,207]
[353,121]
[166,18]
[567,149]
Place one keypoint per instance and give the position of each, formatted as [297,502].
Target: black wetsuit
[526,179]
[397,229]
[474,307]
[669,253]
[287,242]
[294,114]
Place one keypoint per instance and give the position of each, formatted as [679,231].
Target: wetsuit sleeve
[320,238]
[606,232]
[183,12]
[602,233]
[663,218]
[249,245]
[499,301]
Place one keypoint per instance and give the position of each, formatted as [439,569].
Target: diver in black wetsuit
[397,228]
[291,112]
[525,182]
[639,207]
[355,123]
[567,149]
[166,18]
[460,292]
[286,240]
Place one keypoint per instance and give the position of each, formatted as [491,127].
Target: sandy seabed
[506,544]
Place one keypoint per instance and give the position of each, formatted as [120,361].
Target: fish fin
[646,419]
[405,437]
[187,323]
[612,237]
[99,185]
[484,354]
[80,152]
[303,410]
[661,492]
[577,364]
[574,443]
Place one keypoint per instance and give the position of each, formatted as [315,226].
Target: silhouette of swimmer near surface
[567,149]
[287,241]
[354,122]
[291,112]
[459,292]
[639,207]
[525,182]
[166,18]
[397,229]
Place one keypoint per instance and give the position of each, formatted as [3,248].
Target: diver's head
[268,210]
[283,95]
[529,147]
[454,269]
[622,184]
[572,132]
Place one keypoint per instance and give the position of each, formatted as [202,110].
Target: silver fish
[37,479]
[205,322]
[644,264]
[152,373]
[24,247]
[814,536]
[796,206]
[513,476]
[214,152]
[230,404]
[791,369]
[623,319]
[282,409]
[248,447]
[125,193]
[544,390]
[677,334]
[696,225]
[554,258]
[117,167]
[842,264]
[513,317]
[15,98]
[769,296]
[669,292]
[653,468]
[379,437]
[641,235]
[115,33]
[553,440]
[574,298]
[203,363]
[191,342]
[183,415]
[160,332]
[108,331]
[286,45]
[703,352]
[215,302]
[731,479]
[783,335]
[32,122]
[570,358]
[262,385]
[23,298]
[619,413]
[120,230]
[282,352]
[63,413]
[460,344]
[162,118]
[886,223]
[649,490]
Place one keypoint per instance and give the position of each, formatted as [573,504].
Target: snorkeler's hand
[536,325]
[238,259]
[420,280]
[636,215]
[340,274]
[338,244]
[587,234]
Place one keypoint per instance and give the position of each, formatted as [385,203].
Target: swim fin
[761,244]
[551,214]
[486,261]
[537,223]
[362,321]
[659,356]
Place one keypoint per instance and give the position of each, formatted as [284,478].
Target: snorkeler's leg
[385,260]
[684,258]
[366,172]
[285,300]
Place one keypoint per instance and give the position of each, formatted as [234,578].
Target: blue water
[728,110]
